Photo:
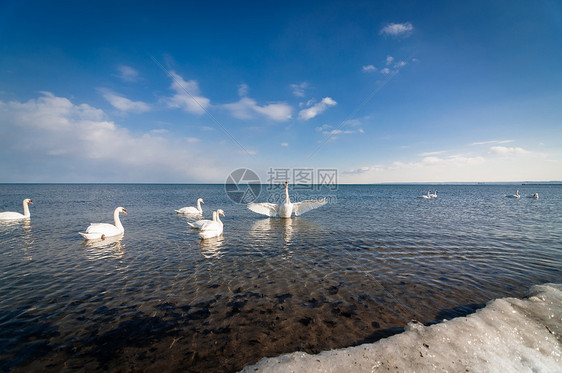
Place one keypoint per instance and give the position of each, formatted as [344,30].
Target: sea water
[358,269]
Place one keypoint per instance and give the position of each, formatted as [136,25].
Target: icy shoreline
[509,334]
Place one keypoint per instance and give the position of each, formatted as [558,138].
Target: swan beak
[125,212]
[31,202]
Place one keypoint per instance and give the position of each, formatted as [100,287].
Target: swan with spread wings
[286,209]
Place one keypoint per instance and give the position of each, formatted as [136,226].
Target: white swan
[425,196]
[433,195]
[212,228]
[516,195]
[286,209]
[199,223]
[10,215]
[535,196]
[191,209]
[103,230]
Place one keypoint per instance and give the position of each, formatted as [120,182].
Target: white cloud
[73,142]
[432,153]
[243,90]
[328,130]
[385,71]
[397,29]
[123,103]
[492,142]
[128,74]
[298,89]
[389,60]
[461,168]
[285,144]
[507,151]
[187,96]
[316,109]
[369,68]
[246,108]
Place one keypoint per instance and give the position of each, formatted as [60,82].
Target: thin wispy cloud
[397,29]
[492,142]
[317,108]
[247,108]
[332,132]
[386,71]
[432,153]
[124,104]
[192,102]
[508,151]
[392,66]
[299,89]
[284,144]
[369,68]
[243,90]
[127,73]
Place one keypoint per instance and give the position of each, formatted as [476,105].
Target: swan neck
[287,200]
[117,220]
[218,217]
[26,212]
[215,216]
[199,205]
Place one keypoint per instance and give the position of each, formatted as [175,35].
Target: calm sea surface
[350,272]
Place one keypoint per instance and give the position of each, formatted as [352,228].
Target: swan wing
[300,208]
[211,229]
[268,209]
[188,210]
[9,215]
[104,229]
[91,236]
[199,223]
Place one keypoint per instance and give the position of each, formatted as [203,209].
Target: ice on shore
[508,335]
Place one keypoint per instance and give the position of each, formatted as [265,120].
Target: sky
[187,92]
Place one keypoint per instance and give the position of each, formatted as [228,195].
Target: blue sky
[393,91]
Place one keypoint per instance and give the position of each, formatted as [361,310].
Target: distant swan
[103,230]
[199,223]
[191,209]
[536,196]
[516,195]
[426,196]
[9,215]
[212,228]
[286,209]
[434,195]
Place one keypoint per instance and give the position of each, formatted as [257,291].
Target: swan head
[200,200]
[220,212]
[122,209]
[27,200]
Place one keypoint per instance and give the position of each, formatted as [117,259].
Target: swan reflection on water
[212,247]
[265,228]
[290,228]
[104,248]
[13,226]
